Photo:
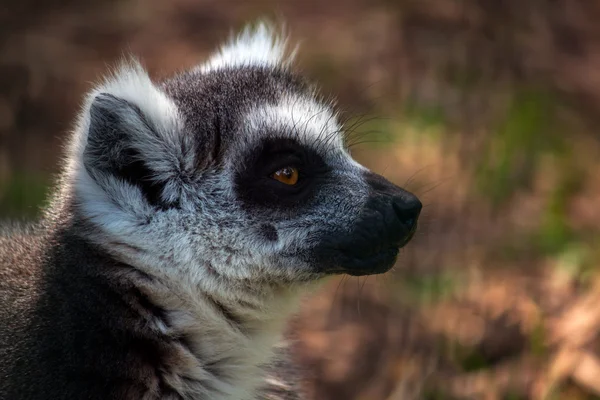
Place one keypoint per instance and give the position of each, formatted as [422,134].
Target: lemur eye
[287,175]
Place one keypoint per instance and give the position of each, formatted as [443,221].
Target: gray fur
[151,276]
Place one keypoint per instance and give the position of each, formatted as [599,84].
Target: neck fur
[224,339]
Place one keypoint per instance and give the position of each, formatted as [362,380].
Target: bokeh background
[487,109]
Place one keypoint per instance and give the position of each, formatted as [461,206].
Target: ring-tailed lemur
[190,217]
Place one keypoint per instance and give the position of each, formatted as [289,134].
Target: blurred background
[486,109]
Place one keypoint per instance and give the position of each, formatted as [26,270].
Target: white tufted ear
[128,151]
[259,45]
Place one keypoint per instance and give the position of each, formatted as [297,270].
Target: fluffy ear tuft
[131,82]
[130,131]
[260,45]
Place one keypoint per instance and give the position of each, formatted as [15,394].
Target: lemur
[191,216]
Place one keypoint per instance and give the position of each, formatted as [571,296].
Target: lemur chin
[190,217]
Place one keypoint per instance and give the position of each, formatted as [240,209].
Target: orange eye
[287,175]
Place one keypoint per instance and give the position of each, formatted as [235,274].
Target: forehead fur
[297,116]
[240,105]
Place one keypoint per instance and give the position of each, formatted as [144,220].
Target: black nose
[387,222]
[407,208]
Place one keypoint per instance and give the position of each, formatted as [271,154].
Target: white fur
[261,45]
[300,117]
[303,118]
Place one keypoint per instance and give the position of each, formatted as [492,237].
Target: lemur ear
[261,44]
[132,133]
[118,133]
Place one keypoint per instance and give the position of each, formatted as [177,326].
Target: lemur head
[233,171]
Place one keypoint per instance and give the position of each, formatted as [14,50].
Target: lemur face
[234,170]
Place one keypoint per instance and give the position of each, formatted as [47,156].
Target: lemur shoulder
[190,216]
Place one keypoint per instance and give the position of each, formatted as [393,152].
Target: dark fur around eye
[256,187]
